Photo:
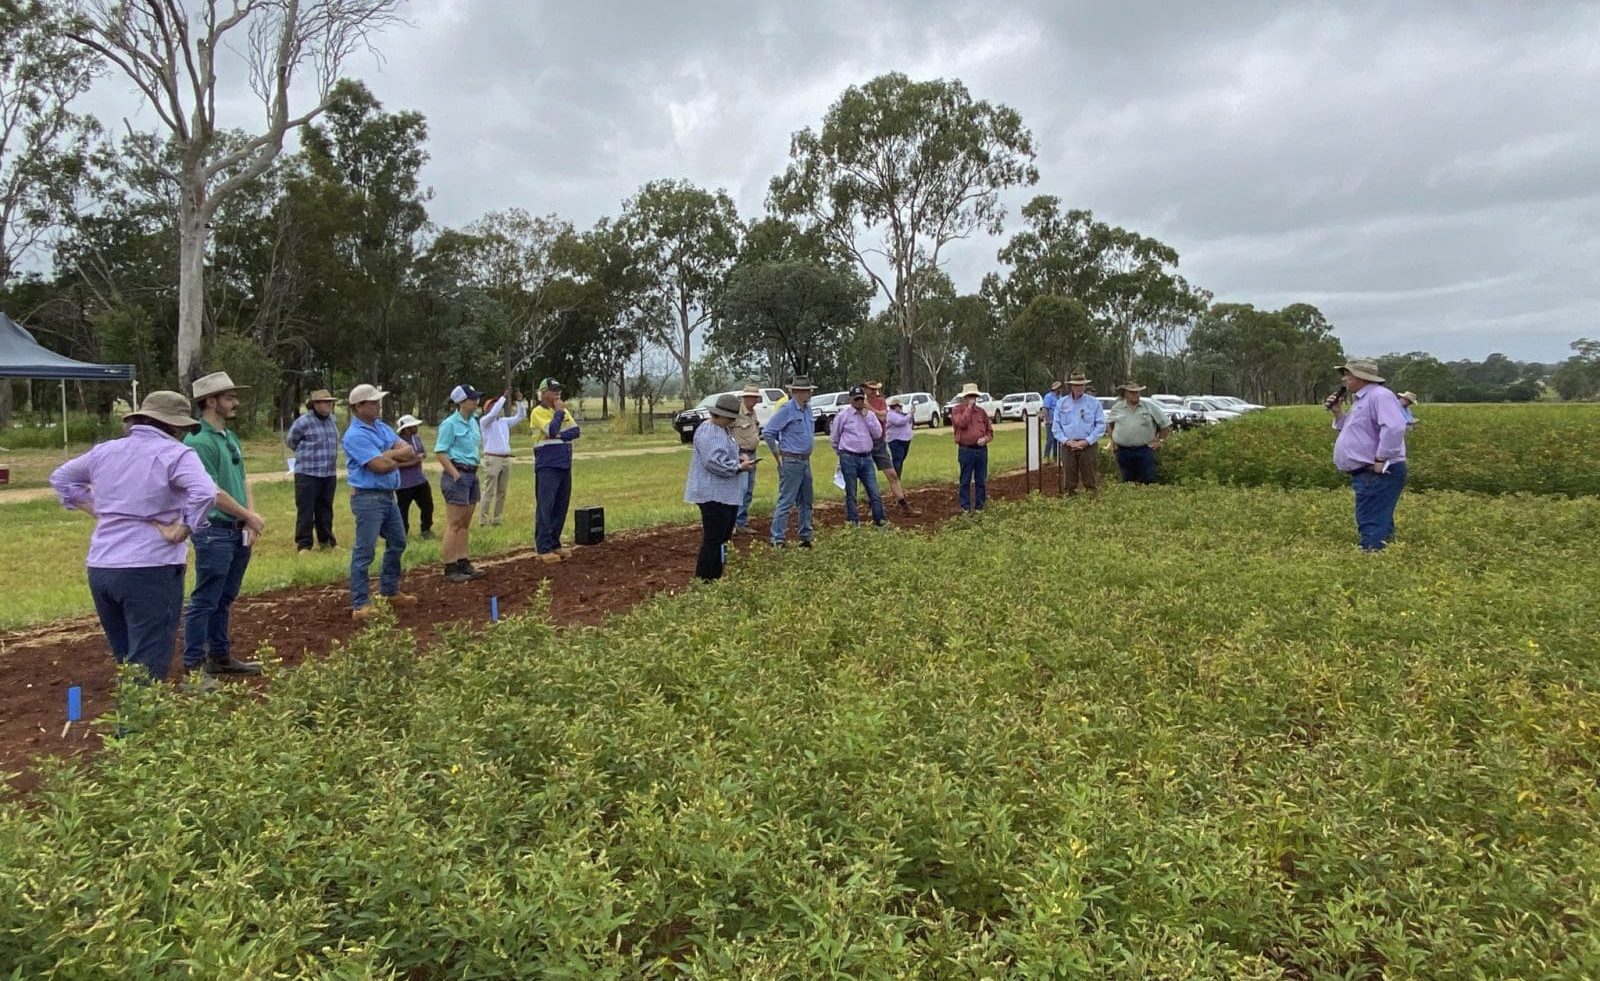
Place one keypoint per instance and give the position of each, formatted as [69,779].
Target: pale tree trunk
[5,402]
[686,359]
[191,282]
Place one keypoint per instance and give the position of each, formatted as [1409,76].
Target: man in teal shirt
[457,448]
[222,551]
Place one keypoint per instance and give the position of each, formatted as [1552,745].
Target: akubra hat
[727,405]
[320,395]
[1076,378]
[169,408]
[1362,369]
[215,384]
[802,383]
[1130,386]
[750,389]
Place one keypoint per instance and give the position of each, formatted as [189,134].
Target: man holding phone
[1370,449]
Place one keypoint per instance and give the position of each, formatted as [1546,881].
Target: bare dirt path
[38,665]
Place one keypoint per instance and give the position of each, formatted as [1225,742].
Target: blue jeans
[139,611]
[794,492]
[1376,497]
[859,466]
[743,519]
[975,469]
[1137,463]
[377,515]
[898,448]
[220,559]
[552,490]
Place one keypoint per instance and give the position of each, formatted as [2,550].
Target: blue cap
[462,393]
[858,392]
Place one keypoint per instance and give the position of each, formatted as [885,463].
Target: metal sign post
[1034,455]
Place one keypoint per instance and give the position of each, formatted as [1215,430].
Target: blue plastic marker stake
[494,608]
[74,703]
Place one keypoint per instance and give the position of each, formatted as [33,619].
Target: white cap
[366,393]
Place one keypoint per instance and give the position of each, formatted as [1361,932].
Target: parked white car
[825,406]
[1013,406]
[984,399]
[1208,410]
[1232,404]
[922,407]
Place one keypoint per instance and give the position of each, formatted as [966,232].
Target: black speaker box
[589,526]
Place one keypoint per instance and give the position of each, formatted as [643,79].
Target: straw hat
[320,395]
[970,388]
[1408,396]
[406,422]
[873,384]
[750,389]
[1130,386]
[1076,378]
[1362,369]
[215,384]
[170,408]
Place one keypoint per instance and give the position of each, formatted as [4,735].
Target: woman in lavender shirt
[414,487]
[898,433]
[147,492]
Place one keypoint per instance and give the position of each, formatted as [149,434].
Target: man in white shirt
[494,475]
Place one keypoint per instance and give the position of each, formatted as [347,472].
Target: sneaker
[401,599]
[780,543]
[880,524]
[303,550]
[232,666]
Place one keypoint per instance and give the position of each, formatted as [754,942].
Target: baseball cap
[549,385]
[857,392]
[366,393]
[461,393]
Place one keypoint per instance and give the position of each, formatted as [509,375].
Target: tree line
[194,247]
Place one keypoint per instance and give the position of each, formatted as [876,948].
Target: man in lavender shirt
[1371,449]
[854,432]
[148,493]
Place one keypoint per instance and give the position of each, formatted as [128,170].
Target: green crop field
[1493,449]
[1178,732]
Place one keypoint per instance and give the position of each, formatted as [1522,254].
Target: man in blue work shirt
[789,435]
[374,454]
[553,431]
[1076,426]
[1050,399]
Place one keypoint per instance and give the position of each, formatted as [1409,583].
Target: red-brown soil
[38,665]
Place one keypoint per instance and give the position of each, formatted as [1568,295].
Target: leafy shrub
[1186,742]
[1498,449]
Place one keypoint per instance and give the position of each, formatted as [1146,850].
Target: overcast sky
[1426,174]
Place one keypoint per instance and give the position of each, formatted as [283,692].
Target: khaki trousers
[1080,465]
[494,482]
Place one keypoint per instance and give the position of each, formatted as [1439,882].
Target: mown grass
[1492,449]
[43,547]
[1171,733]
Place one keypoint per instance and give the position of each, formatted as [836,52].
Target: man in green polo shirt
[222,551]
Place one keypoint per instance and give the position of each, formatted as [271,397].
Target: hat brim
[1130,388]
[176,422]
[802,388]
[721,413]
[1370,376]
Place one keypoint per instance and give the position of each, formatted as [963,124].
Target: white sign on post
[1030,423]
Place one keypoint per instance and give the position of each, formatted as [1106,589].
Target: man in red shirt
[880,447]
[974,432]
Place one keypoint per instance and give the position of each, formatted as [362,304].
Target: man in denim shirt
[789,435]
[373,455]
[1076,426]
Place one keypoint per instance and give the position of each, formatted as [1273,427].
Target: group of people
[173,479]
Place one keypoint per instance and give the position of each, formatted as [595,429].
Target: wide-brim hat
[1076,378]
[1362,369]
[406,422]
[970,388]
[1409,396]
[801,383]
[872,384]
[215,384]
[320,395]
[1055,385]
[169,408]
[750,390]
[1130,386]
[727,406]
[366,393]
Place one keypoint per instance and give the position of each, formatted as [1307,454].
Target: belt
[224,523]
[854,453]
[503,456]
[795,456]
[468,467]
[371,490]
[971,446]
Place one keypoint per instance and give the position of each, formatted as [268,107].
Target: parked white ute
[922,407]
[1208,410]
[1013,406]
